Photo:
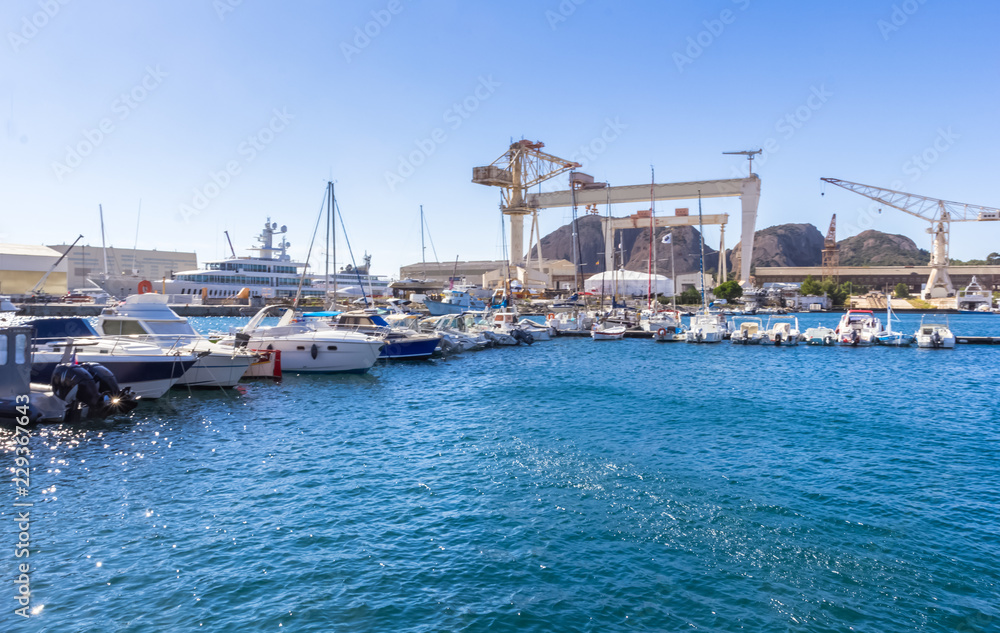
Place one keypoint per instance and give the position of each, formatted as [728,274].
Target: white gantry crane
[940,213]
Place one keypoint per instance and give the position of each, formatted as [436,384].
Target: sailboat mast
[135,245]
[649,263]
[701,230]
[576,252]
[104,246]
[326,262]
[423,248]
[673,276]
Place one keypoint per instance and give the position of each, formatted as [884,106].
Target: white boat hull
[216,370]
[331,355]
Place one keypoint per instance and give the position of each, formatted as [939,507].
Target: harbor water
[571,485]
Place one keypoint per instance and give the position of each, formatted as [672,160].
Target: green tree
[811,287]
[728,290]
[837,294]
[902,291]
[993,259]
[691,296]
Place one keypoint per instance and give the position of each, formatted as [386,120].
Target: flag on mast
[666,238]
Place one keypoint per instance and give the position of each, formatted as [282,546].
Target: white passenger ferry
[269,274]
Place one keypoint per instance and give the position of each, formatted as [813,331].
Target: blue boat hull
[409,349]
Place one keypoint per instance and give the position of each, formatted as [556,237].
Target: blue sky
[219,113]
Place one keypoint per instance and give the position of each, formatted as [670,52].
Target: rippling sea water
[568,486]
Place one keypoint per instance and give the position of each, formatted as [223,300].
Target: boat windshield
[170,327]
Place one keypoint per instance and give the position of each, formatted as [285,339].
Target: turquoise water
[567,486]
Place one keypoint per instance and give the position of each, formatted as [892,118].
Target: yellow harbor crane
[940,213]
[521,167]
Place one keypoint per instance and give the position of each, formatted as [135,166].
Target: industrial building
[88,261]
[22,266]
[555,273]
[880,277]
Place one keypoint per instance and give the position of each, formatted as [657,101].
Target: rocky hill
[781,245]
[784,245]
[874,248]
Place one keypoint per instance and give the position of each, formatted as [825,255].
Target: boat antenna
[701,231]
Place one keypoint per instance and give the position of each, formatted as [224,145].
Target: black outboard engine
[522,337]
[91,391]
[936,339]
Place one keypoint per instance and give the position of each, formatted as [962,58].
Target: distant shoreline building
[881,277]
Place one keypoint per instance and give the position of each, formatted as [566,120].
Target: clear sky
[219,113]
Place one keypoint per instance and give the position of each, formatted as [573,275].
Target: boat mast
[135,245]
[649,262]
[575,237]
[673,276]
[701,230]
[104,246]
[423,248]
[326,260]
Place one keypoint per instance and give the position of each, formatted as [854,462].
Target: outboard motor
[91,391]
[936,339]
[777,338]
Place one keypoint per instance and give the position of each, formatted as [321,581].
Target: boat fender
[661,332]
[314,351]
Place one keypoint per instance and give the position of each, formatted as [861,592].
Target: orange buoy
[144,287]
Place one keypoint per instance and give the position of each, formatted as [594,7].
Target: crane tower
[831,254]
[521,167]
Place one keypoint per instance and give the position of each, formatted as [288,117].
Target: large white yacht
[271,273]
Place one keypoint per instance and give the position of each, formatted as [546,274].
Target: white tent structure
[628,283]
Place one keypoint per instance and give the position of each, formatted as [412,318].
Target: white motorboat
[820,335]
[747,330]
[148,318]
[858,328]
[781,330]
[538,331]
[706,327]
[454,332]
[935,335]
[608,332]
[401,343]
[147,369]
[974,298]
[576,321]
[309,347]
[664,324]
